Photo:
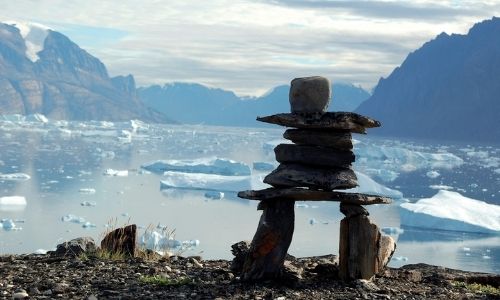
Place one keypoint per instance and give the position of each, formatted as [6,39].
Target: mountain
[197,104]
[42,71]
[449,89]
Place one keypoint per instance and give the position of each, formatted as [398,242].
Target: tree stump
[270,244]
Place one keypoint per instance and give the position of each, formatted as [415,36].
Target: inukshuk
[314,167]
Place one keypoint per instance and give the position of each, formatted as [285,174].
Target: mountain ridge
[446,89]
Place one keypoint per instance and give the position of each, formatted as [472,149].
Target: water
[64,159]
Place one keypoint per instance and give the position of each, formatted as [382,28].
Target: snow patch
[34,36]
[15,177]
[451,211]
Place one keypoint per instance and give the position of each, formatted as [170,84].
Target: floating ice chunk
[400,258]
[36,118]
[8,224]
[466,249]
[117,173]
[209,182]
[370,186]
[153,240]
[125,136]
[392,230]
[219,166]
[88,225]
[301,205]
[14,177]
[88,191]
[214,195]
[486,257]
[13,201]
[451,211]
[263,166]
[433,174]
[73,219]
[88,203]
[440,187]
[312,221]
[108,154]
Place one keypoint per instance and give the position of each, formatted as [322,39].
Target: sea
[60,180]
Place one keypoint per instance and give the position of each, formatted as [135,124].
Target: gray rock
[352,210]
[386,249]
[310,95]
[75,247]
[20,294]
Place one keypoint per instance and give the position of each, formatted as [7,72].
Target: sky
[251,46]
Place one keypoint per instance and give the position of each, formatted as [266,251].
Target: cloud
[250,46]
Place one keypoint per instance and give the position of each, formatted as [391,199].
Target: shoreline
[177,277]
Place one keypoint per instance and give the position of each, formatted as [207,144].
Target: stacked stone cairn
[313,168]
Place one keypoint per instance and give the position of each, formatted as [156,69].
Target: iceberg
[206,182]
[9,224]
[366,185]
[451,211]
[219,166]
[73,219]
[15,177]
[164,243]
[214,195]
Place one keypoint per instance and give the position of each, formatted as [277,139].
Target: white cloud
[250,46]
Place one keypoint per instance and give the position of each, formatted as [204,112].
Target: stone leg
[270,244]
[364,251]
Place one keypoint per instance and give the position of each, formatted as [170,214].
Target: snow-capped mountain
[43,71]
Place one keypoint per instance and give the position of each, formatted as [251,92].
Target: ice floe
[9,224]
[440,187]
[451,211]
[117,173]
[214,195]
[164,243]
[433,174]
[15,177]
[210,182]
[212,165]
[12,203]
[88,203]
[88,191]
[73,219]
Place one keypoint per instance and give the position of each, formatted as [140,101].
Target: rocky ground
[94,277]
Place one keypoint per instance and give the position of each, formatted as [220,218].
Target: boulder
[310,94]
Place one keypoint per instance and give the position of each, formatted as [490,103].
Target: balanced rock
[120,241]
[352,210]
[297,175]
[313,155]
[298,194]
[325,138]
[310,95]
[339,121]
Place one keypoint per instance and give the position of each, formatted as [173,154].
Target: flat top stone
[302,194]
[343,121]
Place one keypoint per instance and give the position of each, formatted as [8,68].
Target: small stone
[310,95]
[92,297]
[20,295]
[352,210]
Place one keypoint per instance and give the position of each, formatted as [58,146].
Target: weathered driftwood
[363,251]
[270,244]
[296,175]
[313,155]
[331,120]
[299,194]
[121,241]
[316,137]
